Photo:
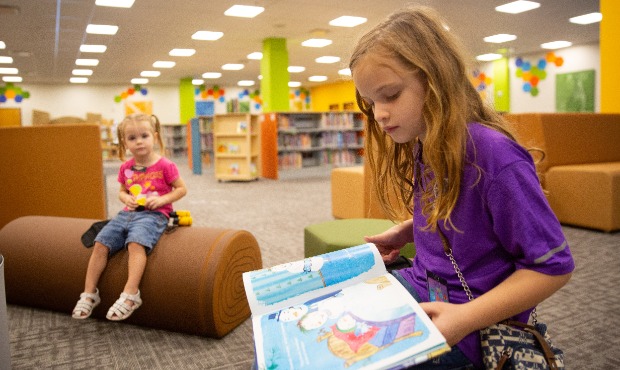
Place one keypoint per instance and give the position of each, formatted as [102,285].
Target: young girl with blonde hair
[150,183]
[464,178]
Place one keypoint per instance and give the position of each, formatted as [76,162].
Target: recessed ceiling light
[587,18]
[211,75]
[101,29]
[163,64]
[150,73]
[245,83]
[6,60]
[207,35]
[345,72]
[139,81]
[115,3]
[78,80]
[316,43]
[499,38]
[2,45]
[182,52]
[197,81]
[82,72]
[257,55]
[488,57]
[347,21]
[93,48]
[518,6]
[556,45]
[317,78]
[327,59]
[12,79]
[87,62]
[244,11]
[232,66]
[296,69]
[8,71]
[294,84]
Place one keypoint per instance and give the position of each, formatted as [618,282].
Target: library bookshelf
[236,146]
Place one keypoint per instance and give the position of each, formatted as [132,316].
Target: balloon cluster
[10,91]
[533,74]
[481,81]
[216,93]
[129,92]
[255,97]
[301,94]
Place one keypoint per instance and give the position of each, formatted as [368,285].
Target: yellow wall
[340,93]
[610,56]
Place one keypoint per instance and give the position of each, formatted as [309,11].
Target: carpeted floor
[582,317]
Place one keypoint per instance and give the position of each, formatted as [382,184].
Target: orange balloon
[488,80]
[534,81]
[559,61]
[124,95]
[204,94]
[131,91]
[550,57]
[482,76]
[10,94]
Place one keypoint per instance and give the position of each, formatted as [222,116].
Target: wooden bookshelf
[236,146]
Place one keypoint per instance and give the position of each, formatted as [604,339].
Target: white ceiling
[45,35]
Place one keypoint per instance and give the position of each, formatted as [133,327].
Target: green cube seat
[334,235]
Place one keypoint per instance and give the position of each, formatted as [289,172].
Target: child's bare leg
[96,264]
[135,266]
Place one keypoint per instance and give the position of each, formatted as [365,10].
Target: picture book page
[375,324]
[293,283]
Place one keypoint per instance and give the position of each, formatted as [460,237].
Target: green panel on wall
[274,69]
[501,82]
[186,100]
[574,92]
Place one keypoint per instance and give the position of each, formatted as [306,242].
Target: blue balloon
[519,62]
[542,64]
[527,87]
[18,98]
[222,99]
[2,98]
[143,91]
[527,66]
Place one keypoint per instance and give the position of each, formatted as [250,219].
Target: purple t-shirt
[504,222]
[154,180]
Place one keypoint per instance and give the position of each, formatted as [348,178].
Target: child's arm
[127,198]
[522,290]
[178,191]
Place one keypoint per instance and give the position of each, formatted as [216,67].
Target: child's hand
[450,319]
[154,202]
[390,242]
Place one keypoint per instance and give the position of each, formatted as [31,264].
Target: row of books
[321,121]
[330,139]
[335,158]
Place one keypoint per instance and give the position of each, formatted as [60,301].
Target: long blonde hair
[417,38]
[153,122]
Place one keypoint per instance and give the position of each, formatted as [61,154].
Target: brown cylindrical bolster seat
[192,282]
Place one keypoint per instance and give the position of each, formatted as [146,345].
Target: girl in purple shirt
[460,172]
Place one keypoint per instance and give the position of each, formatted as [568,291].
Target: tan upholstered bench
[192,282]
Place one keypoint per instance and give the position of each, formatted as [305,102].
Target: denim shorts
[144,228]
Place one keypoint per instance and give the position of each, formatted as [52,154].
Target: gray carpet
[582,317]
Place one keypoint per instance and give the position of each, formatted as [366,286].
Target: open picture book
[337,310]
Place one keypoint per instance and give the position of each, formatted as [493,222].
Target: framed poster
[574,92]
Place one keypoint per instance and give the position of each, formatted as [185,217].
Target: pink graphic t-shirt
[144,182]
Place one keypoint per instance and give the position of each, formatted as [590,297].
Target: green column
[186,100]
[501,81]
[274,69]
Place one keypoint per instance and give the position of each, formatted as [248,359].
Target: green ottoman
[334,235]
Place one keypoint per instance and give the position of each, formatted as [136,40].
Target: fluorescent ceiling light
[245,83]
[211,75]
[163,64]
[82,72]
[499,38]
[101,29]
[232,66]
[316,43]
[294,84]
[296,69]
[488,57]
[8,71]
[150,73]
[139,81]
[87,62]
[2,45]
[6,60]
[207,35]
[78,80]
[244,11]
[518,6]
[197,81]
[12,79]
[182,52]
[257,55]
[93,48]
[345,72]
[317,78]
[587,18]
[556,45]
[327,59]
[347,21]
[115,3]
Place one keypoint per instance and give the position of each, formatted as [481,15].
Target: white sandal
[86,304]
[121,310]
